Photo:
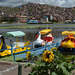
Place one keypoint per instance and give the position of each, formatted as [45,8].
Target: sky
[61,3]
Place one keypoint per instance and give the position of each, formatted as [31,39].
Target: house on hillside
[44,19]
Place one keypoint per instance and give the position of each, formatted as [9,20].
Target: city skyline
[61,3]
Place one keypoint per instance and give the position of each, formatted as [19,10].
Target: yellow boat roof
[68,33]
[45,31]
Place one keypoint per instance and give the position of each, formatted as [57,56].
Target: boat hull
[67,51]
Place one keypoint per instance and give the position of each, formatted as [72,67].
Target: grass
[32,26]
[10,58]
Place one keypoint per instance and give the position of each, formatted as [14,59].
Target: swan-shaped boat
[44,37]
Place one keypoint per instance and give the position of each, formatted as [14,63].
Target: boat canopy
[45,31]
[14,34]
[68,33]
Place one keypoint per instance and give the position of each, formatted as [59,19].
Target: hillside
[36,11]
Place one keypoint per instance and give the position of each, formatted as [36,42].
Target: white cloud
[68,3]
[62,3]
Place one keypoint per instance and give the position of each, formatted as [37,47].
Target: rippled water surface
[31,33]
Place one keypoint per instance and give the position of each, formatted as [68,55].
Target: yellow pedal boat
[68,43]
[15,46]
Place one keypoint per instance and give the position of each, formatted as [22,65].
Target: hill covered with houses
[40,12]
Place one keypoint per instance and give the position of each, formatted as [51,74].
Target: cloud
[68,3]
[11,3]
[62,3]
[2,0]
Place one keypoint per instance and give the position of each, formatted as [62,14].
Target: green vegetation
[8,19]
[51,63]
[10,58]
[31,26]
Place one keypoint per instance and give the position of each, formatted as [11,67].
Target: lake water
[31,33]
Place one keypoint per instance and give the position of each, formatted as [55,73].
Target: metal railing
[37,51]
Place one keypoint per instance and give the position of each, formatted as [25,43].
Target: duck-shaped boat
[44,37]
[67,45]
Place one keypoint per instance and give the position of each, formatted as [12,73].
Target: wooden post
[19,69]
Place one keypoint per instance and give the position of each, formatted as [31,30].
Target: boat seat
[20,44]
[65,39]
